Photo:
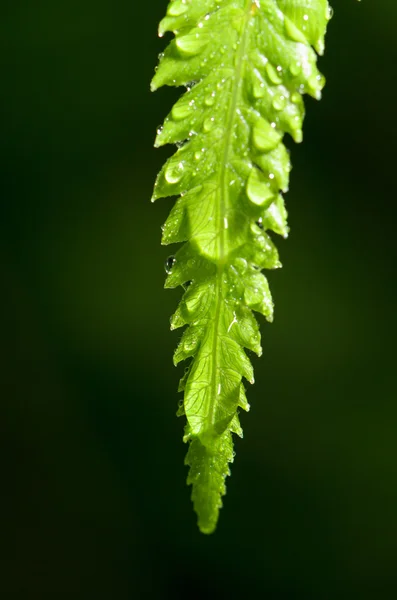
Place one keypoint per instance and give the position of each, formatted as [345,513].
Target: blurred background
[93,494]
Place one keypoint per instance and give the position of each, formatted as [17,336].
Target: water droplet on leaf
[273,74]
[191,44]
[181,110]
[174,172]
[329,12]
[295,68]
[258,89]
[169,263]
[177,8]
[264,136]
[258,189]
[208,124]
[293,32]
[279,102]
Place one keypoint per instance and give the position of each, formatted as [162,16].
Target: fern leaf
[245,64]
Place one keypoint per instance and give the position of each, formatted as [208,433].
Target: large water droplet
[273,74]
[329,12]
[177,8]
[191,44]
[169,263]
[295,68]
[293,32]
[174,172]
[209,101]
[181,110]
[208,124]
[190,344]
[258,189]
[190,84]
[279,102]
[264,136]
[258,89]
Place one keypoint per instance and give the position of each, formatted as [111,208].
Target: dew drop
[190,344]
[177,8]
[293,32]
[258,189]
[264,136]
[295,69]
[279,102]
[208,124]
[209,101]
[258,89]
[181,110]
[190,84]
[191,44]
[329,12]
[169,263]
[272,74]
[174,172]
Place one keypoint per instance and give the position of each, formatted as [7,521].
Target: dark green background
[94,502]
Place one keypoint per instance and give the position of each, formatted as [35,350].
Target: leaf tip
[206,529]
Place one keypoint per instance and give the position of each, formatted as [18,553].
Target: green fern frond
[246,64]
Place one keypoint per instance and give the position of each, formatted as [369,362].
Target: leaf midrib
[222,202]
